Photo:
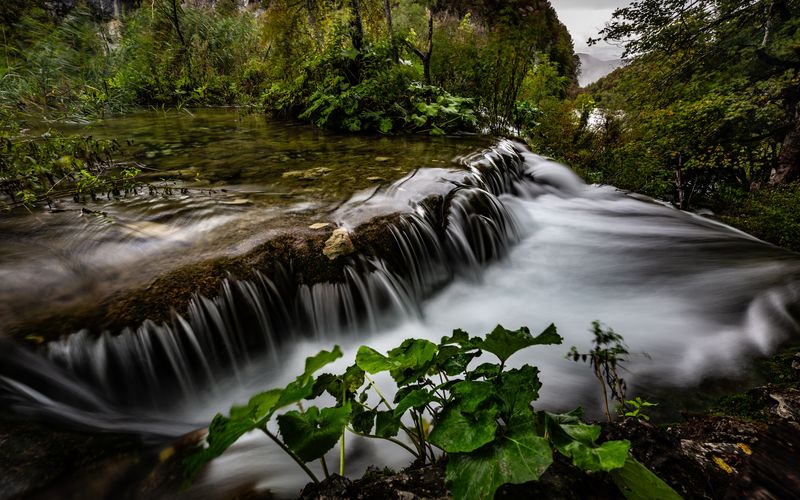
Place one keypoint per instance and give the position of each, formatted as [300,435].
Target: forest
[705,113]
[202,199]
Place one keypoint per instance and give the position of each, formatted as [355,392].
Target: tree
[425,57]
[749,48]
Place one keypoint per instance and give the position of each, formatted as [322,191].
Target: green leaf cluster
[44,168]
[480,415]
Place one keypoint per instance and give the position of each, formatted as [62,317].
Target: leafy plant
[50,166]
[636,405]
[480,415]
[605,358]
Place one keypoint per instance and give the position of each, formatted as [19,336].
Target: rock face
[106,8]
[593,69]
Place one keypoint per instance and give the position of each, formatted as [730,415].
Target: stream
[521,241]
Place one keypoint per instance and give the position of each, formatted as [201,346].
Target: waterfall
[467,227]
[509,237]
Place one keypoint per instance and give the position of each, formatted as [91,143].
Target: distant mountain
[593,69]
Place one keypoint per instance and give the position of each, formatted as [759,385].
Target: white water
[697,297]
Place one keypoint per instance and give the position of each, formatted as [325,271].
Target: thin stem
[290,453]
[378,392]
[341,439]
[420,436]
[391,440]
[603,388]
[324,467]
[341,455]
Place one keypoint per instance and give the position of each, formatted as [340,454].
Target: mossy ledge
[298,251]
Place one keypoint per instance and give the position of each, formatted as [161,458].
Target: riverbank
[742,447]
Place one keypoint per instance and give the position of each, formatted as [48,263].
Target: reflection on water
[247,179]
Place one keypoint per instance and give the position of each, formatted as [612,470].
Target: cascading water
[513,239]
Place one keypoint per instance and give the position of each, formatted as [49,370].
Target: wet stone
[338,244]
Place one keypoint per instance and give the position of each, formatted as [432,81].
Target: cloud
[584,19]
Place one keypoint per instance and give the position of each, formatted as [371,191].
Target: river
[694,299]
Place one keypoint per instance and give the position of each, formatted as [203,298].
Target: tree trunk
[788,168]
[176,22]
[356,26]
[312,23]
[387,9]
[425,57]
[426,61]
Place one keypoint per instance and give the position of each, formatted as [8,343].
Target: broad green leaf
[503,343]
[385,125]
[322,358]
[488,371]
[222,433]
[411,360]
[517,389]
[419,120]
[608,456]
[364,421]
[296,391]
[313,433]
[581,432]
[321,384]
[259,408]
[303,386]
[405,363]
[453,360]
[469,395]
[371,361]
[456,431]
[353,378]
[386,424]
[414,399]
[406,390]
[576,439]
[459,337]
[515,459]
[637,482]
[341,386]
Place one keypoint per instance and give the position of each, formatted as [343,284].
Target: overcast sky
[584,18]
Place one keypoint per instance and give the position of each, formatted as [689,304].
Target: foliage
[383,100]
[709,100]
[605,358]
[707,105]
[41,169]
[768,213]
[480,416]
[297,60]
[635,408]
[82,65]
[636,482]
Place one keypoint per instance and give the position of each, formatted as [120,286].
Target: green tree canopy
[725,73]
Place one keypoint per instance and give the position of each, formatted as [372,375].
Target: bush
[767,213]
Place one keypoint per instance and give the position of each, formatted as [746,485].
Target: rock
[338,244]
[375,178]
[319,225]
[307,175]
[773,470]
[788,404]
[413,484]
[382,158]
[335,487]
[34,456]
